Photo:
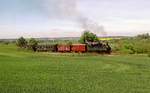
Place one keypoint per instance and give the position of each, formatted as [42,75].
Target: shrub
[131,46]
[144,36]
[6,42]
[88,36]
[32,44]
[21,42]
[148,54]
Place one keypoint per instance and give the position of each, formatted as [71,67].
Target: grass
[28,72]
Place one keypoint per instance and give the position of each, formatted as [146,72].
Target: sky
[59,18]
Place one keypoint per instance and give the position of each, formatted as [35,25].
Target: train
[90,47]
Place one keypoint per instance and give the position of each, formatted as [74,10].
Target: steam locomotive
[96,47]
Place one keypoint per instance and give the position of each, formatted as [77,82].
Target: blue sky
[46,18]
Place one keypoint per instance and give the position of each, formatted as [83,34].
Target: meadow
[23,71]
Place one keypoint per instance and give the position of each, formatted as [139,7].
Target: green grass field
[28,72]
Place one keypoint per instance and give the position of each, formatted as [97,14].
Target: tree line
[30,44]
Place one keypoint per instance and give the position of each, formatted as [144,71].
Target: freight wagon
[78,47]
[46,48]
[63,48]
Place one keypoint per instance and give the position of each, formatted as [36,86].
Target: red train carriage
[78,47]
[63,48]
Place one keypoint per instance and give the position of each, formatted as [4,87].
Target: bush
[32,44]
[6,42]
[148,54]
[88,36]
[131,46]
[21,42]
[144,36]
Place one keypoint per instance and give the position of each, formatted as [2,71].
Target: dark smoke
[69,9]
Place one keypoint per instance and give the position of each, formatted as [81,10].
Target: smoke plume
[69,9]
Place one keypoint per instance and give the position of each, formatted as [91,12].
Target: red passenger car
[78,48]
[63,48]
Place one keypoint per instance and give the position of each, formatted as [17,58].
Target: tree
[88,36]
[21,42]
[144,36]
[32,44]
